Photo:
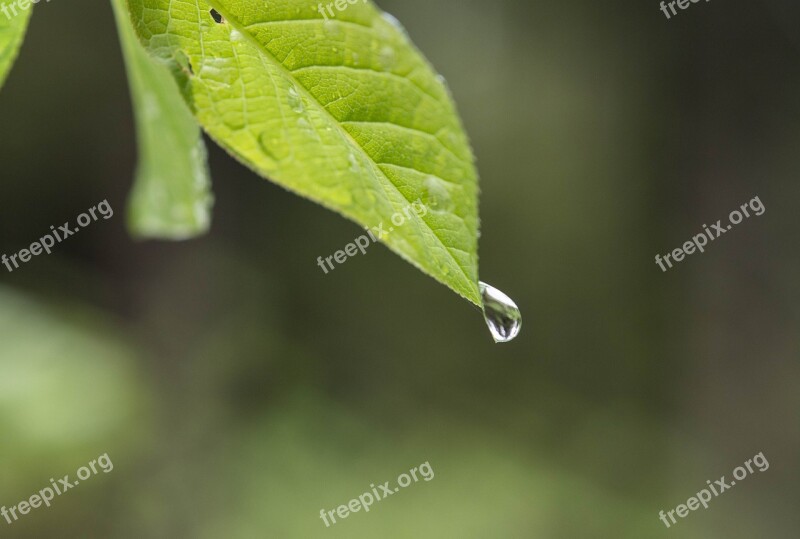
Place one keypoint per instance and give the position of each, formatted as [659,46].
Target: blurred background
[238,389]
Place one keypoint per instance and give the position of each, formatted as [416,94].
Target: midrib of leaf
[472,295]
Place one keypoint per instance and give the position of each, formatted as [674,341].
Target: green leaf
[345,112]
[171,198]
[13,23]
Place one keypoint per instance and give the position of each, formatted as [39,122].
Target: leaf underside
[12,32]
[171,197]
[345,112]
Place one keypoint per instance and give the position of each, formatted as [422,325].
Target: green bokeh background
[238,389]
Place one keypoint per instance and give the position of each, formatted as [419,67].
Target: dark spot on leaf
[219,19]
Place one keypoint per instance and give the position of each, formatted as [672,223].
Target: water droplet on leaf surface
[436,195]
[272,150]
[501,314]
[295,101]
[387,58]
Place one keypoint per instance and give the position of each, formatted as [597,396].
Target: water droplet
[453,139]
[295,101]
[354,166]
[234,120]
[332,28]
[273,149]
[151,108]
[387,58]
[268,158]
[304,124]
[501,314]
[436,195]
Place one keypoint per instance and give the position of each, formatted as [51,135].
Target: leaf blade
[345,112]
[171,198]
[13,24]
